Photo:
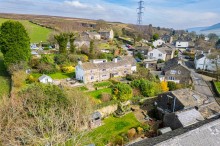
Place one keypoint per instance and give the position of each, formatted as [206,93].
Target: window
[160,55]
[151,54]
[179,72]
[104,70]
[171,78]
[92,77]
[173,72]
[125,72]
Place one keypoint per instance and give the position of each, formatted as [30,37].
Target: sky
[177,14]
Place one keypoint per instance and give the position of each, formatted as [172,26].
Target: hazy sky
[179,14]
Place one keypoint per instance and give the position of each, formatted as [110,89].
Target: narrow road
[200,84]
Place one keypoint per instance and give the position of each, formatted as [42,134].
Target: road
[130,53]
[200,84]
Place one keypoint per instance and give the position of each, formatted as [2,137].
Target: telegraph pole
[140,12]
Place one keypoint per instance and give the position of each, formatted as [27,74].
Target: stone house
[163,53]
[150,64]
[91,35]
[107,34]
[174,71]
[100,70]
[185,107]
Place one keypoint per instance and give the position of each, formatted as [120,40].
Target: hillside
[213,27]
[206,30]
[36,32]
[67,24]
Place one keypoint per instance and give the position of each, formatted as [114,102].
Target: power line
[140,12]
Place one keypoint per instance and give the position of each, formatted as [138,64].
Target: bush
[131,133]
[140,130]
[46,68]
[18,78]
[122,92]
[67,69]
[118,140]
[105,97]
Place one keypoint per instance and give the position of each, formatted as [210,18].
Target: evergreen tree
[91,49]
[14,43]
[72,38]
[62,40]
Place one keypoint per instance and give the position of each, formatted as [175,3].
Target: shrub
[118,140]
[105,97]
[46,68]
[122,92]
[18,78]
[68,69]
[131,133]
[140,130]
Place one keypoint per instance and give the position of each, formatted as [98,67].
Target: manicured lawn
[111,128]
[96,94]
[4,78]
[57,75]
[217,85]
[36,32]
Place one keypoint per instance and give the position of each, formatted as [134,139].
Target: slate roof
[209,110]
[126,60]
[43,77]
[199,56]
[190,98]
[189,117]
[203,133]
[171,63]
[185,99]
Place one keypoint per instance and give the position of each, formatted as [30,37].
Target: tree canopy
[14,43]
[62,40]
[122,92]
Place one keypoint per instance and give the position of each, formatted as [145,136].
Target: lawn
[111,128]
[104,46]
[36,32]
[57,75]
[97,93]
[4,78]
[102,84]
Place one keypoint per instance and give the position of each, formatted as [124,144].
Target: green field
[111,128]
[4,79]
[97,93]
[36,32]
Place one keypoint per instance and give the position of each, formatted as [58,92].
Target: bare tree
[43,115]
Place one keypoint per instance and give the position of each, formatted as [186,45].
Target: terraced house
[100,69]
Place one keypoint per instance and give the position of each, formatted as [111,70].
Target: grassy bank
[36,32]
